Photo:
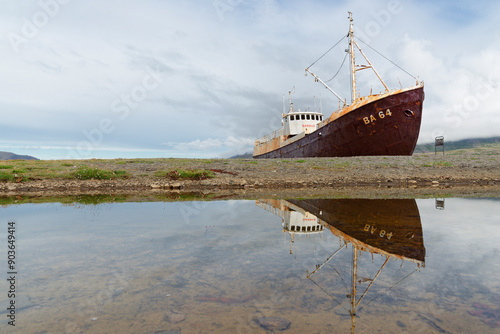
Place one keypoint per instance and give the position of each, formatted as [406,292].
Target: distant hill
[13,156]
[243,156]
[426,148]
[460,144]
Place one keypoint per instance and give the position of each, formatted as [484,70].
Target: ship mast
[353,63]
[355,67]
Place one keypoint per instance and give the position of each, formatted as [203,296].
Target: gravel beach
[409,175]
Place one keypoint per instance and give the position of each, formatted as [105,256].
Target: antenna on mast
[351,51]
[283,104]
[290,98]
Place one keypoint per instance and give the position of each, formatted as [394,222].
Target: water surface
[212,267]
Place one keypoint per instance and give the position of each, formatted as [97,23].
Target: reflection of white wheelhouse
[294,219]
[301,222]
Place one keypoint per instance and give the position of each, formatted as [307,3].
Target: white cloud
[226,147]
[224,78]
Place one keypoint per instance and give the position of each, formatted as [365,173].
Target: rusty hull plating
[385,124]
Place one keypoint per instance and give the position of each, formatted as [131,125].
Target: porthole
[408,113]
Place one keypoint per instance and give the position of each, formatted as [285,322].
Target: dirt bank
[409,174]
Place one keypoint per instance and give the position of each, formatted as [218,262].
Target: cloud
[224,72]
[226,147]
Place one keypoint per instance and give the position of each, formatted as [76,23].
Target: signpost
[439,141]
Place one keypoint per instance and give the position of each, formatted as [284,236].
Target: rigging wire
[319,286]
[402,69]
[330,49]
[343,61]
[392,286]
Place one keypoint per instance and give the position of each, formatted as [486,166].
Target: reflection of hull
[390,226]
[367,129]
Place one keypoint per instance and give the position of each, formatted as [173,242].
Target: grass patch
[440,163]
[443,163]
[6,166]
[135,161]
[300,161]
[87,173]
[342,165]
[4,176]
[121,174]
[19,171]
[180,174]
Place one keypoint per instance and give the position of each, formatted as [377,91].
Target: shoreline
[414,174]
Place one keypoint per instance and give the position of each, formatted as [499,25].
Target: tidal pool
[297,266]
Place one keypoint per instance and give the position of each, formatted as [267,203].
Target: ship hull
[389,125]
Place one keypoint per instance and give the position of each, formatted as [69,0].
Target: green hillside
[489,145]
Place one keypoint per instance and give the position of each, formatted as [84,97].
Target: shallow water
[214,267]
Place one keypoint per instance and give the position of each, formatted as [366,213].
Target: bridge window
[320,118]
[308,117]
[291,118]
[303,117]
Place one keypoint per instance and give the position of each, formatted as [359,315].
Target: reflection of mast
[391,228]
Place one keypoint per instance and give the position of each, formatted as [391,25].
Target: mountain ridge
[12,156]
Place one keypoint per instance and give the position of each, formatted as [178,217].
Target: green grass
[6,166]
[342,165]
[4,176]
[440,163]
[300,161]
[121,174]
[87,173]
[179,174]
[134,161]
[443,163]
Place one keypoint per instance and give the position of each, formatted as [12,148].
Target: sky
[204,79]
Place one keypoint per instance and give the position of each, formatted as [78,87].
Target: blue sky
[111,79]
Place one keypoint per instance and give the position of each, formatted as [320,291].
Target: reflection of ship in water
[391,228]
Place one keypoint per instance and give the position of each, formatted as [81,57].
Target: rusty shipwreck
[381,124]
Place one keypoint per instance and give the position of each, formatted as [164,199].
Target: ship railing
[273,135]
